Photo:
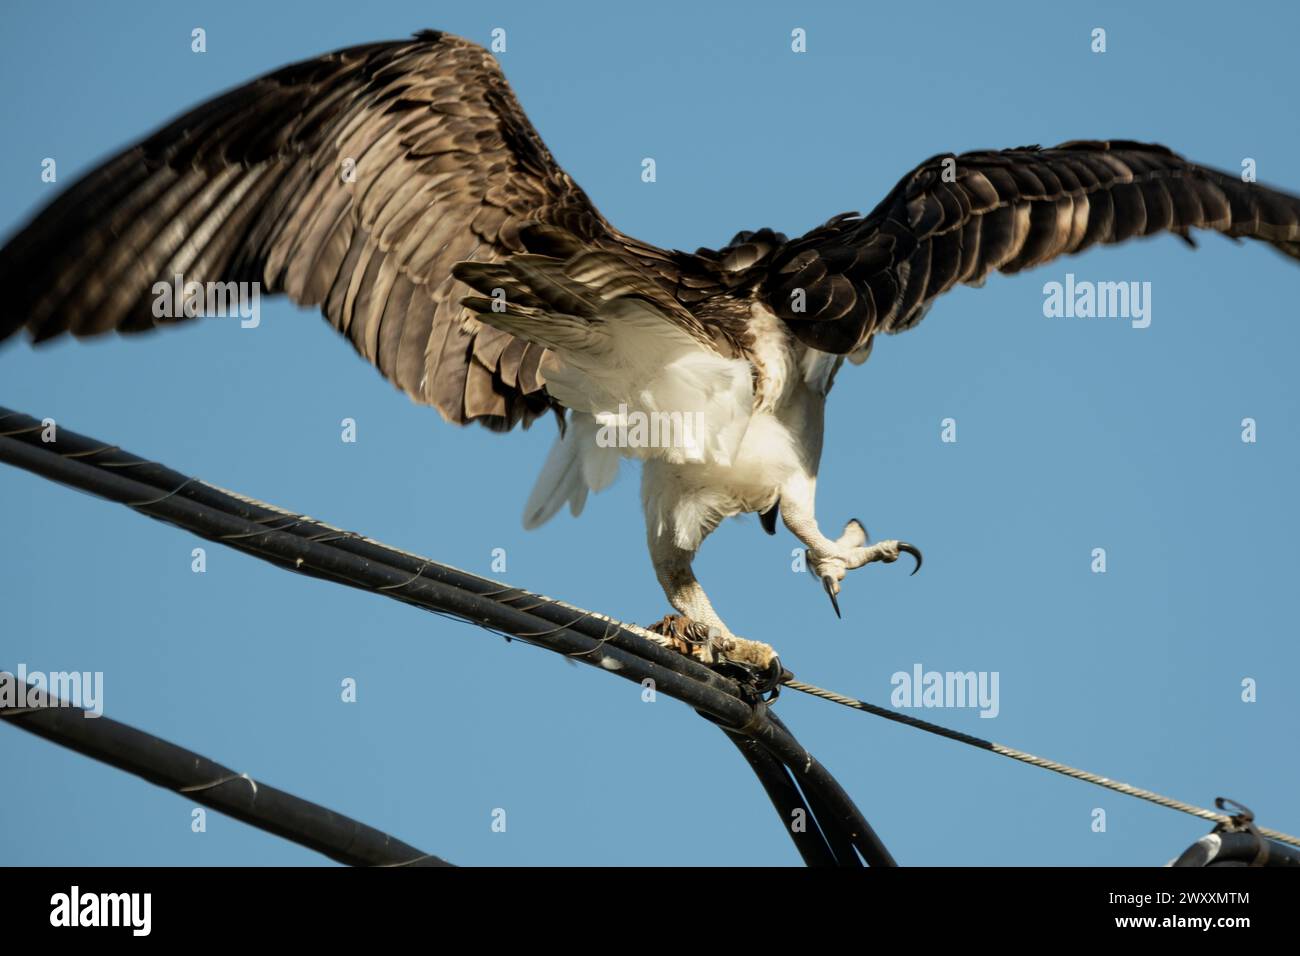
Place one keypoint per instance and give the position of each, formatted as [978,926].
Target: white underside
[741,453]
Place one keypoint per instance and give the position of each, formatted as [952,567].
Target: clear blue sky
[1072,435]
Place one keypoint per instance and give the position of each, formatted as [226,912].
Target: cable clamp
[1243,821]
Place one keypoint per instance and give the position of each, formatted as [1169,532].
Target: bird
[400,187]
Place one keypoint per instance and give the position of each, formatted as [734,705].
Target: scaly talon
[829,584]
[853,551]
[914,551]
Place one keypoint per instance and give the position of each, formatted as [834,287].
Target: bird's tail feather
[576,465]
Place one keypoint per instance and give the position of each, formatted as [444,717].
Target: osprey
[400,187]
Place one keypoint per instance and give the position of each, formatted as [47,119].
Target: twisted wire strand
[1031,759]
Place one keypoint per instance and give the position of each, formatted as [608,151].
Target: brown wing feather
[249,187]
[1008,211]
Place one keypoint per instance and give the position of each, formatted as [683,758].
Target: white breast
[753,438]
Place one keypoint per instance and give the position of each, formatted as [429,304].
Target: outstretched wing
[353,181]
[955,219]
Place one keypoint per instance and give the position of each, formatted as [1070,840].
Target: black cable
[809,840]
[1242,848]
[325,560]
[310,547]
[109,457]
[209,783]
[815,779]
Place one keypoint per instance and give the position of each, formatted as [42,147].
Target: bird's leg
[832,560]
[701,632]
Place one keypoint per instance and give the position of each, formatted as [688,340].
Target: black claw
[827,583]
[914,551]
[770,678]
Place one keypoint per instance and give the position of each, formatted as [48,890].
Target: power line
[792,778]
[1035,761]
[307,546]
[196,777]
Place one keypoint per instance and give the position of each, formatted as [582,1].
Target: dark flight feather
[249,187]
[1008,211]
[455,193]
